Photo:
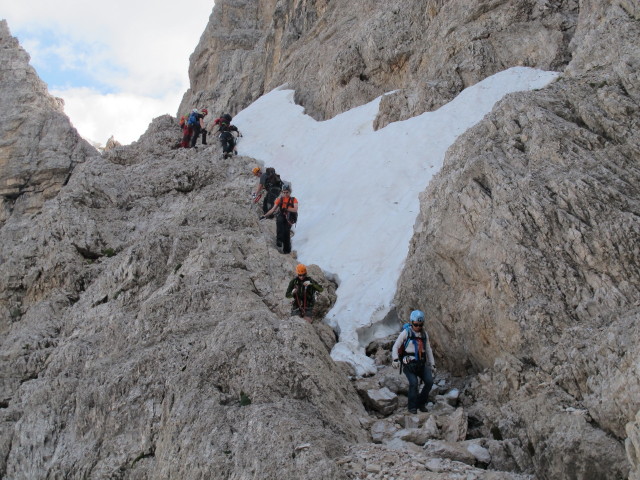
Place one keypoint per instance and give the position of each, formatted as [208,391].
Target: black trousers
[228,142]
[267,203]
[196,133]
[415,371]
[283,233]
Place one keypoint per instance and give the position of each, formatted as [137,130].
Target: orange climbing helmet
[256,170]
[301,269]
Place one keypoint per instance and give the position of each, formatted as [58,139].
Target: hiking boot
[423,408]
[413,411]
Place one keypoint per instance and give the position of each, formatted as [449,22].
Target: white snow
[358,190]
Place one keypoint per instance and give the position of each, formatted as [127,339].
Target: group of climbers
[193,127]
[279,202]
[411,352]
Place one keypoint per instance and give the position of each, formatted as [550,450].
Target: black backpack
[273,184]
[292,217]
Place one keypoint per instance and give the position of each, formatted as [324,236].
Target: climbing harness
[302,306]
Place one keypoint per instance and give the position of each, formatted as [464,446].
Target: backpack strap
[411,337]
[302,305]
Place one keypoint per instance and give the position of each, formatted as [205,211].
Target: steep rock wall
[341,54]
[154,339]
[526,256]
[38,145]
[144,328]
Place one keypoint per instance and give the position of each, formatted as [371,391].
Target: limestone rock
[382,430]
[125,285]
[38,145]
[381,400]
[426,51]
[431,429]
[111,144]
[451,450]
[394,382]
[632,445]
[154,332]
[526,246]
[475,447]
[455,428]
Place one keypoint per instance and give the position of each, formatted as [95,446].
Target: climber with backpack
[412,354]
[302,289]
[187,131]
[196,122]
[224,118]
[228,140]
[271,183]
[287,216]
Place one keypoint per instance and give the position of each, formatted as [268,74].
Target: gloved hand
[306,283]
[253,195]
[294,291]
[395,363]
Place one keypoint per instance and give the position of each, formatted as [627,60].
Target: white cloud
[138,51]
[125,116]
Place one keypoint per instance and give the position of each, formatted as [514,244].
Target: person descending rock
[228,140]
[187,131]
[197,124]
[226,136]
[271,183]
[303,290]
[287,207]
[224,118]
[413,353]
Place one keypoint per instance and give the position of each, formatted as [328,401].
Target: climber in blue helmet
[413,353]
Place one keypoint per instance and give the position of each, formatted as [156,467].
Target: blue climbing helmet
[417,316]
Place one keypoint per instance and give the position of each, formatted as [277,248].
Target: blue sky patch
[65,62]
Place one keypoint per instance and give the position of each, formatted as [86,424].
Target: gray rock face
[525,255]
[38,145]
[154,340]
[341,54]
[632,445]
[144,328]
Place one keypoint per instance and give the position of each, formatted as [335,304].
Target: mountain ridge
[524,255]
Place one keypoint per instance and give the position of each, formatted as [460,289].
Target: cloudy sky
[117,64]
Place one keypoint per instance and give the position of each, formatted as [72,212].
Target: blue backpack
[193,118]
[411,337]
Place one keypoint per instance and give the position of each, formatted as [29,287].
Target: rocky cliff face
[344,53]
[39,146]
[134,297]
[526,256]
[151,342]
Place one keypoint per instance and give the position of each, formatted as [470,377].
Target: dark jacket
[304,296]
